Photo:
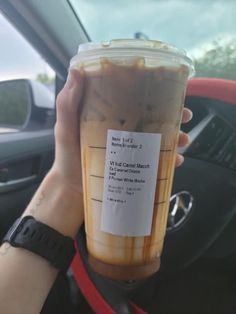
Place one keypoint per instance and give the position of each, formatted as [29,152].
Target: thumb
[68,107]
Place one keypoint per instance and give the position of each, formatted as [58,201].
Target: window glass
[206,29]
[24,76]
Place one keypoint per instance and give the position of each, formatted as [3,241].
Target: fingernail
[187,139]
[70,80]
[180,161]
[191,115]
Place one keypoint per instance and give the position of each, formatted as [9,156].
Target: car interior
[198,263]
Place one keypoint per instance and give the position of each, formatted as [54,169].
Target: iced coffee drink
[131,112]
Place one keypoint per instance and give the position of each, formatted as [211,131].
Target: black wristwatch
[43,240]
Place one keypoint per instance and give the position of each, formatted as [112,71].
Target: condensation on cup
[132,106]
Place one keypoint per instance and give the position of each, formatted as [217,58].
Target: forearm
[26,278]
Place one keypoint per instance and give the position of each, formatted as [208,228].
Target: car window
[206,29]
[27,84]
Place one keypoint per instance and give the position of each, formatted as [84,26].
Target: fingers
[183,137]
[179,160]
[187,115]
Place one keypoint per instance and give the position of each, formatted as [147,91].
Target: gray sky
[17,58]
[188,24]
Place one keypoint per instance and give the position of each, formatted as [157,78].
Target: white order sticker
[130,182]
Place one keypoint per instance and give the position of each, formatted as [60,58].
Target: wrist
[58,204]
[71,182]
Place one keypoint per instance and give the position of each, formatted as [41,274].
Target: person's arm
[26,278]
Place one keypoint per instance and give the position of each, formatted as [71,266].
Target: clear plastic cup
[133,98]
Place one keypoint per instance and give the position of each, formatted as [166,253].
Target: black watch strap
[43,240]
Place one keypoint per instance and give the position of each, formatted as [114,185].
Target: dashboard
[212,134]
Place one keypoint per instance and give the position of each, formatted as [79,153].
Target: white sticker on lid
[130,182]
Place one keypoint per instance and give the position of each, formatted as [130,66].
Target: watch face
[15,229]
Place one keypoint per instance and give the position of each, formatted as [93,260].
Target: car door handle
[12,185]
